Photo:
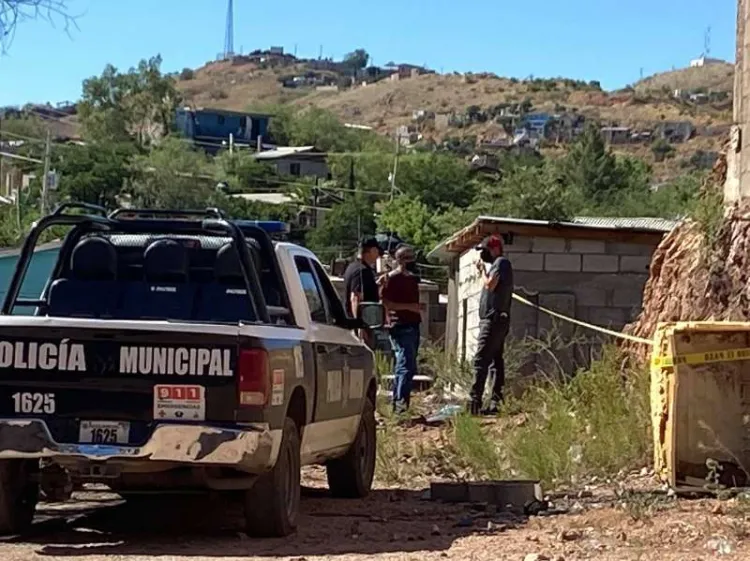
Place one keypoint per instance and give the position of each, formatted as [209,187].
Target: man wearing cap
[359,277]
[494,322]
[400,293]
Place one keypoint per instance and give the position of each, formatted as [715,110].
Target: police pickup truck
[182,351]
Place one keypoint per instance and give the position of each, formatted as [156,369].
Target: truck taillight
[254,378]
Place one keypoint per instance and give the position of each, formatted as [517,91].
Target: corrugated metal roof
[643,225]
[655,224]
[283,152]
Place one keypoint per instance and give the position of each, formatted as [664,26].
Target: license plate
[104,432]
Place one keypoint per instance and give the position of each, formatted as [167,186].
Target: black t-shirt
[497,301]
[359,278]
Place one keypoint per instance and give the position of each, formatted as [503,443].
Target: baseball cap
[490,242]
[369,243]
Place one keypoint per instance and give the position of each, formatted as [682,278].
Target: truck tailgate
[111,385]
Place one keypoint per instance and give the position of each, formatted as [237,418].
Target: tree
[344,225]
[14,12]
[535,192]
[240,170]
[356,60]
[590,168]
[94,173]
[662,150]
[173,175]
[411,219]
[139,104]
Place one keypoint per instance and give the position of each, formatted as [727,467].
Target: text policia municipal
[71,357]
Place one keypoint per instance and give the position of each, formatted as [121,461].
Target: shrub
[187,74]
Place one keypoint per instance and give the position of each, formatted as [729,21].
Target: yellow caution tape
[611,332]
[729,355]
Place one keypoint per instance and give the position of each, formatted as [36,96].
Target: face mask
[486,256]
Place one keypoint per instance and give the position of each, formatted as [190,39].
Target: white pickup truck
[176,351]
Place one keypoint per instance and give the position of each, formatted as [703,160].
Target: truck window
[313,293]
[335,307]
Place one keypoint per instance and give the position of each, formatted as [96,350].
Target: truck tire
[351,477]
[272,504]
[19,494]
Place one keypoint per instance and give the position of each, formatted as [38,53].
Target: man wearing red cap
[494,322]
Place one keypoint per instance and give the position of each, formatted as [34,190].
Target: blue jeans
[405,343]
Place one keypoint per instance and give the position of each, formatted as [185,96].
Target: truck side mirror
[372,314]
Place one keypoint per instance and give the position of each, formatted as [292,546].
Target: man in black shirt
[494,322]
[359,278]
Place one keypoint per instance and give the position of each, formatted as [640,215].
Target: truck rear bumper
[253,448]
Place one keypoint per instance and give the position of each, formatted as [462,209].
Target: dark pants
[405,343]
[490,348]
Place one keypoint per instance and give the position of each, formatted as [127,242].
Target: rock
[536,557]
[242,535]
[495,527]
[585,494]
[570,535]
[622,536]
[671,493]
[435,530]
[465,522]
[717,510]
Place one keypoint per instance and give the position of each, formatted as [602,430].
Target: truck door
[339,374]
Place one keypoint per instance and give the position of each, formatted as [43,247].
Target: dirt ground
[593,523]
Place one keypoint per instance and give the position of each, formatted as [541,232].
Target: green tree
[590,168]
[342,228]
[535,192]
[356,60]
[241,171]
[94,173]
[662,150]
[412,220]
[173,175]
[139,104]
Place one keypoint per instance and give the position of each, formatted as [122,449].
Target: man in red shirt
[400,296]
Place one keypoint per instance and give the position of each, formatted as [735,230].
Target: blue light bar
[270,226]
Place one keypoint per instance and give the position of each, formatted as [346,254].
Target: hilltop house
[298,161]
[210,129]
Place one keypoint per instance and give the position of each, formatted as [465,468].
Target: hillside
[713,77]
[473,105]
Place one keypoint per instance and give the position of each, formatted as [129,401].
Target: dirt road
[391,524]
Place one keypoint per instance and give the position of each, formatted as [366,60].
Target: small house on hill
[590,269]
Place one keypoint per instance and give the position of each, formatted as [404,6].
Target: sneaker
[492,410]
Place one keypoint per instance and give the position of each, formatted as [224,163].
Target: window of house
[295,168]
[313,292]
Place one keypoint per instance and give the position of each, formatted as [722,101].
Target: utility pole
[395,164]
[45,177]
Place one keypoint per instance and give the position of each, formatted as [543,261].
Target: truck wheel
[350,477]
[19,493]
[272,504]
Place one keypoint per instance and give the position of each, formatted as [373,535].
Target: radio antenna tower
[707,42]
[229,35]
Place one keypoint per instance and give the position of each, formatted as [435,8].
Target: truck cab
[182,351]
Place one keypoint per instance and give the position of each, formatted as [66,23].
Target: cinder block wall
[593,280]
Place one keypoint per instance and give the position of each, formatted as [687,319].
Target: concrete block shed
[591,269]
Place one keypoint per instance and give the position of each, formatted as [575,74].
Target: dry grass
[717,77]
[559,431]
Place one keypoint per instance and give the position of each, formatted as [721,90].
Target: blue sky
[606,40]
